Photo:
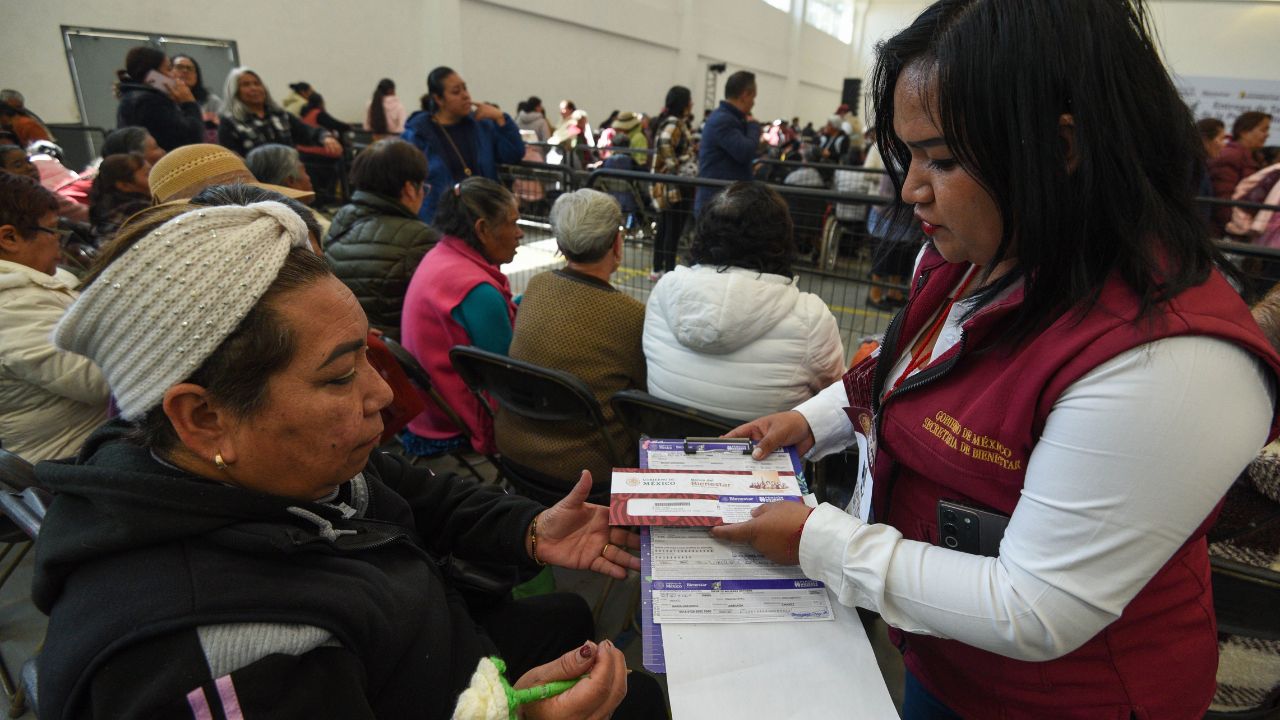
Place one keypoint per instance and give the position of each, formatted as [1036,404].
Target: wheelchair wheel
[829,243]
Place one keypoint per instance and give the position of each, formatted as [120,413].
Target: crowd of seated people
[418,248]
[573,319]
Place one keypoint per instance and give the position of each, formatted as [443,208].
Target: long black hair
[1005,72]
[378,113]
[679,99]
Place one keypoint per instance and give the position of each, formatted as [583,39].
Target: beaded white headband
[161,309]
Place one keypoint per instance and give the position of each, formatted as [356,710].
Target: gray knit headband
[161,309]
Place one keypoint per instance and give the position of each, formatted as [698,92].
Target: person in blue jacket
[460,140]
[730,137]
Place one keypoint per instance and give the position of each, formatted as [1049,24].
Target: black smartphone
[974,530]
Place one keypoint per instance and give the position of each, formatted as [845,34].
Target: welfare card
[695,498]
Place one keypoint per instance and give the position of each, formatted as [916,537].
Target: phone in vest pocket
[969,529]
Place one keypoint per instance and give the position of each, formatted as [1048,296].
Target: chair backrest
[21,502]
[15,472]
[531,391]
[645,414]
[418,376]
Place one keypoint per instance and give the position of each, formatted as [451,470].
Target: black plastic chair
[23,506]
[418,376]
[645,414]
[1245,599]
[539,394]
[1246,591]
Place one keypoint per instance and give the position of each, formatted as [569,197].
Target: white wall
[338,46]
[605,54]
[1217,38]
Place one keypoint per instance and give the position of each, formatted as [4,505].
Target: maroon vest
[963,429]
[448,271]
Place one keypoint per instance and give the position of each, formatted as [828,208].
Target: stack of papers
[688,577]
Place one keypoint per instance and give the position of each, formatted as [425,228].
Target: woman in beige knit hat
[236,542]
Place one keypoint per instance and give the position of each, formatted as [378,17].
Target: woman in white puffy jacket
[49,400]
[733,335]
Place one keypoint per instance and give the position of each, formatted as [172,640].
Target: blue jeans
[920,704]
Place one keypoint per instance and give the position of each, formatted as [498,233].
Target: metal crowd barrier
[81,144]
[836,255]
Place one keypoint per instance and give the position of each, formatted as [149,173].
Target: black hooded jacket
[171,124]
[157,581]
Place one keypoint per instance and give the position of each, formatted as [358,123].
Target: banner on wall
[1226,98]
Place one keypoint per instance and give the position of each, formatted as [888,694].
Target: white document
[775,671]
[699,579]
[692,554]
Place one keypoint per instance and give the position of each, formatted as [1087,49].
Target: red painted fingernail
[586,651]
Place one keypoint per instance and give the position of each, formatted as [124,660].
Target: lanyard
[922,351]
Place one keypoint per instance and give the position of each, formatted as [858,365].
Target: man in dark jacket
[730,137]
[376,241]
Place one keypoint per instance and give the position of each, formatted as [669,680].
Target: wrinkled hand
[773,530]
[593,698]
[573,534]
[774,431]
[332,145]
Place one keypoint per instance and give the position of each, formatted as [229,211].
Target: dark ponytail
[377,112]
[138,62]
[435,88]
[469,201]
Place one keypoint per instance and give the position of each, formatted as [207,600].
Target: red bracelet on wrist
[800,530]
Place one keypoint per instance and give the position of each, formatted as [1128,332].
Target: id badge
[858,384]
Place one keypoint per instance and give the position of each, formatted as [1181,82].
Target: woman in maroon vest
[1068,339]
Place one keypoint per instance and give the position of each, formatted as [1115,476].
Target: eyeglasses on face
[56,232]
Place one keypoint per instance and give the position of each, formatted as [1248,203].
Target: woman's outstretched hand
[576,534]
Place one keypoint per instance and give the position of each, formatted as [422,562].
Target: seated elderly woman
[376,241]
[277,164]
[250,118]
[733,335]
[236,541]
[50,401]
[572,319]
[459,296]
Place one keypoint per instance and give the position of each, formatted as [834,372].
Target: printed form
[698,579]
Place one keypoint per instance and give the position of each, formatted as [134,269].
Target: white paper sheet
[775,671]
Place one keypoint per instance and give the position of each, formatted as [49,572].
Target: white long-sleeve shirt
[1133,457]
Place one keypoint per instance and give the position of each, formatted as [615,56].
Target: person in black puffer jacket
[173,118]
[377,240]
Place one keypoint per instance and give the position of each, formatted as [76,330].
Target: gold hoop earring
[219,462]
